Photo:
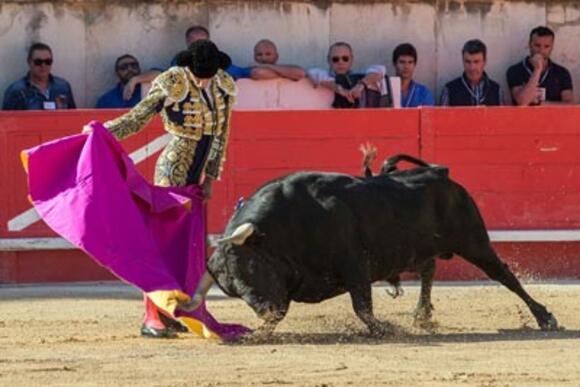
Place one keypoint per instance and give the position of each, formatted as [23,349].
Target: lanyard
[409,95]
[478,97]
[530,71]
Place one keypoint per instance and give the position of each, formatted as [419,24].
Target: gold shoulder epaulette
[174,84]
[226,83]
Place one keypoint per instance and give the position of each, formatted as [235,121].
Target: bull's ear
[239,235]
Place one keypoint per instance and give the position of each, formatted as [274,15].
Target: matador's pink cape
[86,188]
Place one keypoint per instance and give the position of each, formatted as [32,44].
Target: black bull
[311,236]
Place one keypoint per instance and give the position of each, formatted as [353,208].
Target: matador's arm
[140,115]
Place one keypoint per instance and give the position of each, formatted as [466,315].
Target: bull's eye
[228,249]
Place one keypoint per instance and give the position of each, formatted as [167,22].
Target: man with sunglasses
[127,69]
[347,85]
[39,89]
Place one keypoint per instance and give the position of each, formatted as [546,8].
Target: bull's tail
[369,152]
[391,164]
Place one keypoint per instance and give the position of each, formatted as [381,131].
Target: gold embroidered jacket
[185,113]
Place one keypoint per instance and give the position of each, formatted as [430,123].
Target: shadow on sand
[402,337]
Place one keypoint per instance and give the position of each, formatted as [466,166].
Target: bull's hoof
[429,326]
[549,324]
[423,315]
[379,333]
[422,322]
[395,291]
[156,333]
[381,330]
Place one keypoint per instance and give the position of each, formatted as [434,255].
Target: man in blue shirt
[39,89]
[127,68]
[413,94]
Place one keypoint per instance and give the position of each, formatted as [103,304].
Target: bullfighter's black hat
[203,59]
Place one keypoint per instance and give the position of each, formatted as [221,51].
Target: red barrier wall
[520,165]
[522,168]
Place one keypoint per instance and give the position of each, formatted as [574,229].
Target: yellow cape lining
[167,300]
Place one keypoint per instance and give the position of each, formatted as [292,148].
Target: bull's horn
[239,235]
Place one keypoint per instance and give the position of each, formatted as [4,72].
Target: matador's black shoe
[173,324]
[157,333]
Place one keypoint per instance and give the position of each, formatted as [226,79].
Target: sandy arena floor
[485,336]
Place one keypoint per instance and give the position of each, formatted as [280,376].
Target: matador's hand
[206,188]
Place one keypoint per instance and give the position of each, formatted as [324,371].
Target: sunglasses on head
[344,58]
[40,62]
[125,66]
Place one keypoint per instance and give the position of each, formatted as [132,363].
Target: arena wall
[520,164]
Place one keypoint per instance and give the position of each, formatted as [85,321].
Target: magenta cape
[87,189]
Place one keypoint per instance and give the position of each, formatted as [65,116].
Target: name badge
[49,105]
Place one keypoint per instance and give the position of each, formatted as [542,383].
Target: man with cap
[195,100]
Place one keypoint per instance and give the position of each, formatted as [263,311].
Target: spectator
[193,34]
[413,94]
[474,87]
[39,89]
[536,79]
[267,67]
[348,86]
[127,69]
[197,32]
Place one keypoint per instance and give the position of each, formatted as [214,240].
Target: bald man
[266,57]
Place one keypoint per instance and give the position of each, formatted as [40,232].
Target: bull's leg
[487,260]
[362,302]
[424,309]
